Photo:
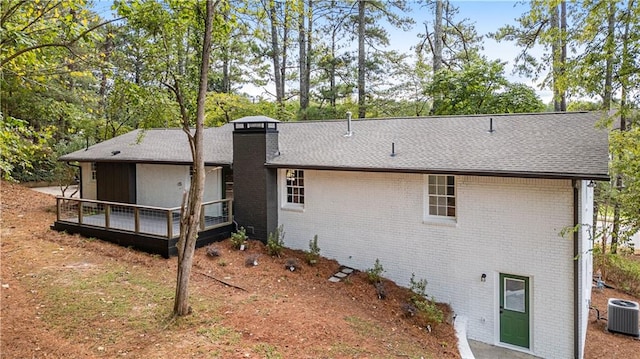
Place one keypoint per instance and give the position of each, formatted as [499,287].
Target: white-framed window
[294,188]
[441,196]
[93,171]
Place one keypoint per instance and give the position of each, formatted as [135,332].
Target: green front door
[514,310]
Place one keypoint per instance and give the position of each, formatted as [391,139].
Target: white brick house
[477,213]
[503,225]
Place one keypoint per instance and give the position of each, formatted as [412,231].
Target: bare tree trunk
[437,50]
[362,110]
[190,216]
[275,53]
[555,59]
[332,69]
[609,48]
[302,47]
[437,38]
[226,81]
[309,47]
[563,53]
[284,52]
[624,82]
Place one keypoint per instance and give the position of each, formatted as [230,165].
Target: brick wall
[503,226]
[255,191]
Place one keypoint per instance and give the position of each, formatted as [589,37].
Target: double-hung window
[94,171]
[294,187]
[441,196]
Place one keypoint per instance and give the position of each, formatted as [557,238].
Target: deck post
[230,210]
[169,224]
[57,209]
[107,216]
[80,212]
[136,219]
[202,217]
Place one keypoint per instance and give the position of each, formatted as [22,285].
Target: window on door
[514,295]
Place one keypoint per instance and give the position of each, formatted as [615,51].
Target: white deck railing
[158,221]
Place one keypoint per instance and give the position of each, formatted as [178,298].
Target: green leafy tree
[48,55]
[20,146]
[544,24]
[182,34]
[371,35]
[625,149]
[332,81]
[480,87]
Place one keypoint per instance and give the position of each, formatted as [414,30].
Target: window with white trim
[442,196]
[93,171]
[294,187]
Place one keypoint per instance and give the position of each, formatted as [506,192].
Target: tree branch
[62,44]
[221,281]
[10,12]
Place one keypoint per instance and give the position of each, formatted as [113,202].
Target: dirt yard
[65,296]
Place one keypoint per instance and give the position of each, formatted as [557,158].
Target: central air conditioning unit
[622,317]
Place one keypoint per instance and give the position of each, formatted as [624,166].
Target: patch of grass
[340,349]
[267,351]
[75,300]
[364,327]
[220,335]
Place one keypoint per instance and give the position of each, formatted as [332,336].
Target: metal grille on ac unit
[622,317]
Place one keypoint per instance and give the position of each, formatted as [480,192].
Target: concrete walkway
[486,351]
[56,191]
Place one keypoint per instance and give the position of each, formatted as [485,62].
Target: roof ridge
[441,116]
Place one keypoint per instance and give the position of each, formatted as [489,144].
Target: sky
[486,16]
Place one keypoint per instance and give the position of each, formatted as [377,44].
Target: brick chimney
[255,190]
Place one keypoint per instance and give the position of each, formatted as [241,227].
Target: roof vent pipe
[349,132]
[393,149]
[491,130]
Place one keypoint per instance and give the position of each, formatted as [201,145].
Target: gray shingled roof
[158,145]
[531,145]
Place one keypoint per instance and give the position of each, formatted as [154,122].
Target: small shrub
[314,251]
[375,274]
[275,242]
[239,238]
[430,310]
[222,263]
[421,303]
[419,288]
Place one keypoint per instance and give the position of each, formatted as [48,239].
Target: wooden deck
[151,229]
[148,224]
